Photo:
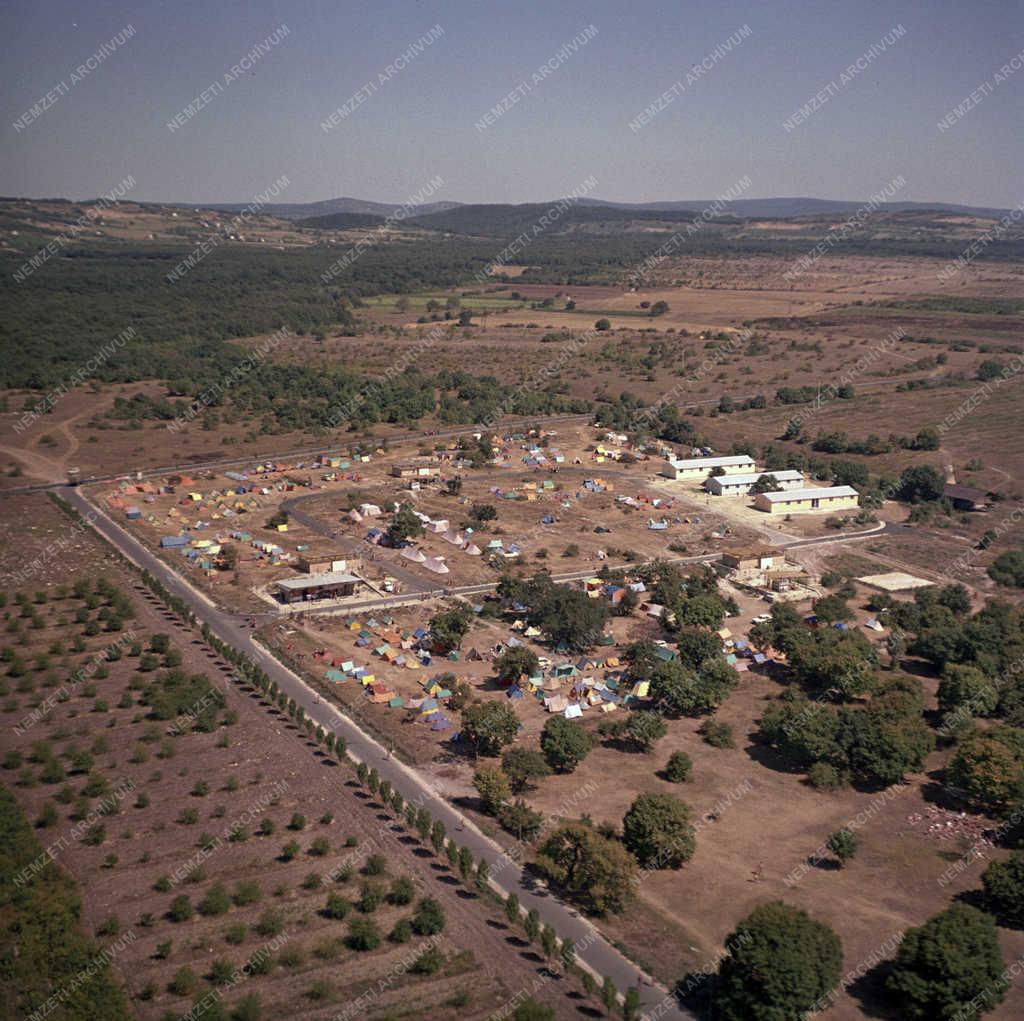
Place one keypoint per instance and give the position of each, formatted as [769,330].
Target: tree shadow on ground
[764,755]
[870,993]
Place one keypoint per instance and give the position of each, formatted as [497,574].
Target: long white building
[739,485]
[702,467]
[803,501]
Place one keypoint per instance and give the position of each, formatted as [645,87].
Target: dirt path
[34,464]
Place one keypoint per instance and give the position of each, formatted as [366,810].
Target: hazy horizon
[210,105]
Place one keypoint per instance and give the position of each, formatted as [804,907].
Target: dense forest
[43,952]
[60,316]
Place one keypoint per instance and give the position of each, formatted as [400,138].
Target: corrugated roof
[711,462]
[822,492]
[749,478]
[317,580]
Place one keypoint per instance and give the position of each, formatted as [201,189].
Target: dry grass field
[144,811]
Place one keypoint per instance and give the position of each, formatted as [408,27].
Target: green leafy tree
[966,687]
[404,526]
[512,908]
[523,766]
[593,870]
[489,727]
[517,817]
[1004,888]
[988,768]
[779,963]
[921,483]
[1008,569]
[658,831]
[532,925]
[516,662]
[449,627]
[609,995]
[949,967]
[638,731]
[493,787]
[565,744]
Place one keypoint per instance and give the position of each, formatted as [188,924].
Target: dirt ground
[758,821]
[258,767]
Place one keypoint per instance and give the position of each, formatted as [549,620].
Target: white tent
[411,553]
[437,527]
[454,538]
[436,564]
[369,510]
[472,549]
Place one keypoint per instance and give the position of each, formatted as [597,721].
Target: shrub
[180,909]
[823,776]
[679,767]
[270,923]
[370,897]
[376,865]
[184,982]
[363,934]
[428,919]
[401,933]
[716,734]
[402,891]
[337,907]
[428,963]
[246,892]
[843,844]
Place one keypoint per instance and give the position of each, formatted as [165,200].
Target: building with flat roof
[739,484]
[803,501]
[702,467]
[312,587]
[753,558]
[966,497]
[415,470]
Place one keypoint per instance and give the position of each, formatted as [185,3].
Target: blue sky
[420,122]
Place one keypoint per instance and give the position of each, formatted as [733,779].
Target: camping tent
[436,564]
[411,553]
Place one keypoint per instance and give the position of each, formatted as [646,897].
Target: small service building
[739,485]
[806,501]
[312,587]
[699,468]
[415,470]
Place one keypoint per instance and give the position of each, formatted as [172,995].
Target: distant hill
[428,215]
[328,207]
[785,208]
[489,219]
[342,221]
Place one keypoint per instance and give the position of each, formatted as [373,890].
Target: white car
[762,618]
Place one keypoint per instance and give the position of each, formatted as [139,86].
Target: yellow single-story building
[803,501]
[701,467]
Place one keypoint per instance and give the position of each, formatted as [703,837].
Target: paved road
[595,951]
